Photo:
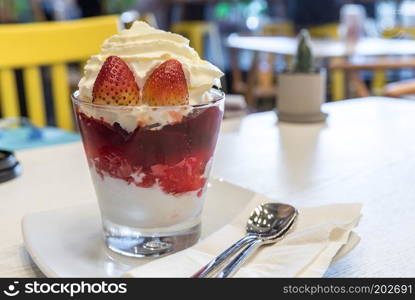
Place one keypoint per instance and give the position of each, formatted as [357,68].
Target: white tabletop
[323,47]
[362,154]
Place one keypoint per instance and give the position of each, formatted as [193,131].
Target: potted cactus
[302,89]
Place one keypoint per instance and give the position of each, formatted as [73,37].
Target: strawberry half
[115,84]
[166,85]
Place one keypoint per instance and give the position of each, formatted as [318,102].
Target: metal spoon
[268,223]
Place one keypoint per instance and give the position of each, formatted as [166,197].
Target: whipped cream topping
[144,48]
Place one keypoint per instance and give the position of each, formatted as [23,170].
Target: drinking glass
[150,166]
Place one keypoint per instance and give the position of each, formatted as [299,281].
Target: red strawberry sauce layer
[174,156]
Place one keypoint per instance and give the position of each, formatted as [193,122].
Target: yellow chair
[196,31]
[326,31]
[54,44]
[279,29]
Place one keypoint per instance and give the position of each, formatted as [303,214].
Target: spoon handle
[217,262]
[237,262]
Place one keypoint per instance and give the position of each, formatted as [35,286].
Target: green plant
[303,62]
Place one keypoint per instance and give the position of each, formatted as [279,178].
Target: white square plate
[67,242]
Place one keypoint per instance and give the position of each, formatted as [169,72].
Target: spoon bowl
[269,219]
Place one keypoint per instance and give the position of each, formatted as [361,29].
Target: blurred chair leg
[337,79]
[34,95]
[9,102]
[61,96]
[400,88]
[359,85]
[252,79]
[379,82]
[288,61]
[238,85]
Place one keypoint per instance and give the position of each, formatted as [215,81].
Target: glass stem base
[135,243]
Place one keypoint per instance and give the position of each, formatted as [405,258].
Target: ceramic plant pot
[300,96]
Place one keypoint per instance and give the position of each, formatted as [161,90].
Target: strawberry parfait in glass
[149,120]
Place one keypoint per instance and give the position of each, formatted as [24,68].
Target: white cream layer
[126,204]
[143,48]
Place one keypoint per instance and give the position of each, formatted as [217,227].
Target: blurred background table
[363,153]
[341,59]
[323,48]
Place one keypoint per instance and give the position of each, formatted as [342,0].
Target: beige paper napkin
[307,251]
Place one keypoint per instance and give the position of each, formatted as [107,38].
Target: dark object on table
[9,166]
[305,13]
[90,8]
[194,11]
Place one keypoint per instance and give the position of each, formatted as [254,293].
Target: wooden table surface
[323,47]
[363,153]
